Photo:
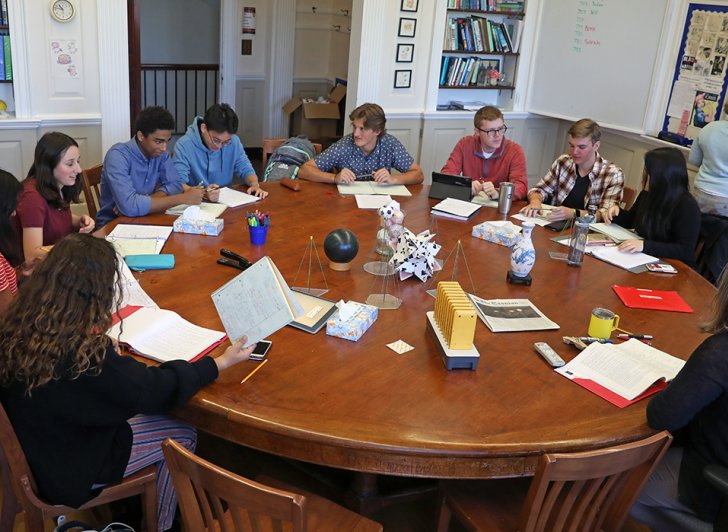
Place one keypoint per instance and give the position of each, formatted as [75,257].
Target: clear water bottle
[577,244]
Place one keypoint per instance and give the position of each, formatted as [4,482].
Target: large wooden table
[358,405]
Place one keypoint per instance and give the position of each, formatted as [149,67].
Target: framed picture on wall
[409,5]
[402,79]
[407,27]
[405,52]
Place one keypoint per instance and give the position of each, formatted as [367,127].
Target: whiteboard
[596,59]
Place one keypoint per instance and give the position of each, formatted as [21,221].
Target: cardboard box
[315,120]
[199,227]
[503,233]
[353,328]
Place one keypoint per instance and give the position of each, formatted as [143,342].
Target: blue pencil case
[139,263]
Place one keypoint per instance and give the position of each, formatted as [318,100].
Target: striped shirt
[7,276]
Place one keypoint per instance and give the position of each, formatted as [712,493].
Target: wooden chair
[212,498]
[270,145]
[587,491]
[628,196]
[91,186]
[20,490]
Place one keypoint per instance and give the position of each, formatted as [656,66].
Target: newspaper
[508,315]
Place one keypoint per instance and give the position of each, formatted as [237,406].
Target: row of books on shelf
[486,5]
[466,71]
[6,62]
[480,34]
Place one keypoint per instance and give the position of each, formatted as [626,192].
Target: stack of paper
[139,239]
[370,187]
[234,198]
[614,231]
[372,201]
[163,335]
[622,374]
[214,210]
[455,209]
[623,259]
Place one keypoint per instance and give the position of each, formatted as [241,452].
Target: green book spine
[8,58]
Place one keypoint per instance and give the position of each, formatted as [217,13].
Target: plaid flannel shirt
[606,181]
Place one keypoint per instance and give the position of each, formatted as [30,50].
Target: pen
[253,372]
[636,336]
[591,340]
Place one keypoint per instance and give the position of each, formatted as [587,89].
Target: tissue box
[353,328]
[199,227]
[505,234]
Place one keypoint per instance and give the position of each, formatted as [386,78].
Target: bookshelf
[481,40]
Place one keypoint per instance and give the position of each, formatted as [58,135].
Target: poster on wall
[66,65]
[699,84]
[248,21]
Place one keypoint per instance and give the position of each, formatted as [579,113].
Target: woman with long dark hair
[9,254]
[665,214]
[53,182]
[85,415]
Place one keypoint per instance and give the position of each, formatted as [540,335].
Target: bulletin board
[699,82]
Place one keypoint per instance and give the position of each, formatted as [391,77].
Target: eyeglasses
[219,143]
[492,133]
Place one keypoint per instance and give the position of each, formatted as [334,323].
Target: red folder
[614,398]
[651,299]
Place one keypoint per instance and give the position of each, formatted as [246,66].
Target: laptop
[450,186]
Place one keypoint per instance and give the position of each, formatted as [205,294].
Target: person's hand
[383,176]
[490,190]
[560,213]
[476,187]
[611,213]
[193,196]
[632,246]
[26,269]
[212,193]
[255,190]
[532,210]
[345,176]
[86,224]
[234,354]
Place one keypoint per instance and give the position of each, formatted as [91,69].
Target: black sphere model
[341,246]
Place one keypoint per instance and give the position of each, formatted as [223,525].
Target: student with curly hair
[85,415]
[53,182]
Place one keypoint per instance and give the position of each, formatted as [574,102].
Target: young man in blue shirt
[368,150]
[210,153]
[138,177]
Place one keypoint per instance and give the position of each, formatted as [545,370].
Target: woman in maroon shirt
[44,209]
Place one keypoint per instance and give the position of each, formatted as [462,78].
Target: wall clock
[63,10]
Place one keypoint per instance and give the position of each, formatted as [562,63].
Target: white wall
[180,31]
[322,52]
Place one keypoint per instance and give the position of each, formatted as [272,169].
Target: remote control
[551,356]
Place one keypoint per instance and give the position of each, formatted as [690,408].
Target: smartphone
[261,350]
[661,267]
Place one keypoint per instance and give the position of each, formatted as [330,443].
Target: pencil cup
[602,323]
[258,234]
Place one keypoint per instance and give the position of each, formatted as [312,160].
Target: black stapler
[234,260]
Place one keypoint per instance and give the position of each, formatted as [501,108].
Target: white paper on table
[160,232]
[135,246]
[623,259]
[538,220]
[369,187]
[456,207]
[372,201]
[235,198]
[400,347]
[614,231]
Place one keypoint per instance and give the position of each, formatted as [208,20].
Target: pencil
[253,372]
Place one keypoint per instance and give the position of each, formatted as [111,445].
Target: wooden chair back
[271,145]
[20,490]
[212,498]
[591,490]
[628,196]
[92,188]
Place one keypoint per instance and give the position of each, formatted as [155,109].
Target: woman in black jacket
[86,416]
